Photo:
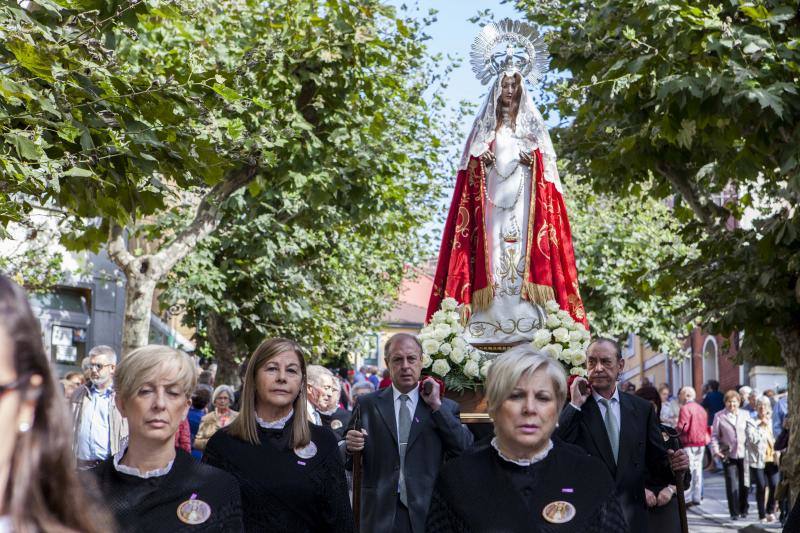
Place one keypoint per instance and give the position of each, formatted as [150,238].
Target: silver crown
[525,51]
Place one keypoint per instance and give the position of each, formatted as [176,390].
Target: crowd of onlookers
[742,433]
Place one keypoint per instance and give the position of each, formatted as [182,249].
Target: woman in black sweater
[151,486]
[523,480]
[289,470]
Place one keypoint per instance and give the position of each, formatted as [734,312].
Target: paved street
[712,516]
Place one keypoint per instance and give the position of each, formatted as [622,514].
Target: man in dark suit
[621,429]
[405,436]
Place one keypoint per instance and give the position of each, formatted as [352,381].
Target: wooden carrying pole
[681,502]
[357,475]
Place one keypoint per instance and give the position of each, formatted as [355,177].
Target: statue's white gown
[509,318]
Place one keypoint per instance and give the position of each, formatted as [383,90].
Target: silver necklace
[516,199]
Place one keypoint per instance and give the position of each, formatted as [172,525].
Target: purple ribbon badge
[568,490]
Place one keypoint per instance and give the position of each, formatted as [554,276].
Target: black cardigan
[480,492]
[282,491]
[151,504]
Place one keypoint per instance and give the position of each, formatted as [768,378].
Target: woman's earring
[24,427]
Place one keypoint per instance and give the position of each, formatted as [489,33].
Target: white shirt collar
[275,424]
[413,394]
[614,396]
[131,471]
[524,462]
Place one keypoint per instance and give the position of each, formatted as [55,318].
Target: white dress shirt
[413,400]
[614,406]
[614,401]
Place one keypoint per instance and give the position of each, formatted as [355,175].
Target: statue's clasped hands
[488,158]
[525,158]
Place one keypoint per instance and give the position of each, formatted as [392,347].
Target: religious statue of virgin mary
[507,244]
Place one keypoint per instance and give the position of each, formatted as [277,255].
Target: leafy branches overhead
[700,100]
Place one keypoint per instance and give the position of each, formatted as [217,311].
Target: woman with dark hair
[289,470]
[39,488]
[662,505]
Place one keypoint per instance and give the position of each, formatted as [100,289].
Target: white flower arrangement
[563,339]
[446,352]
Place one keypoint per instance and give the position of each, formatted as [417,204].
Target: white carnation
[445,348]
[551,306]
[449,304]
[485,368]
[471,369]
[457,356]
[426,360]
[441,367]
[430,346]
[577,371]
[561,335]
[579,358]
[552,322]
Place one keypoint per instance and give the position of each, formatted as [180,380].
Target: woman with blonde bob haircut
[151,485]
[524,467]
[290,472]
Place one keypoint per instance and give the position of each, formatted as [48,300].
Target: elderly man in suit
[621,429]
[405,435]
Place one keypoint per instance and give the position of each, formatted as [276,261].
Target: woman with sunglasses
[39,489]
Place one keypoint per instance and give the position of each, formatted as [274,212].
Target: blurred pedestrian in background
[99,428]
[727,443]
[39,488]
[692,419]
[149,485]
[200,400]
[669,407]
[221,416]
[760,450]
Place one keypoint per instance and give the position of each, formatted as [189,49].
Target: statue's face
[508,89]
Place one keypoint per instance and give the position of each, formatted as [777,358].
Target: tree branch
[705,212]
[118,249]
[205,220]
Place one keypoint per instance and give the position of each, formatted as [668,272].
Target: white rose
[439,316]
[575,336]
[566,355]
[578,358]
[551,306]
[430,346]
[426,360]
[586,334]
[552,322]
[459,342]
[475,355]
[454,316]
[577,371]
[553,350]
[445,348]
[570,323]
[576,346]
[562,315]
[541,337]
[485,368]
[561,335]
[471,369]
[457,356]
[442,331]
[449,304]
[441,367]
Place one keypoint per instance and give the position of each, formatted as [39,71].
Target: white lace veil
[530,129]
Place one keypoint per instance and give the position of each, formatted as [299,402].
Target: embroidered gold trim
[537,293]
[531,221]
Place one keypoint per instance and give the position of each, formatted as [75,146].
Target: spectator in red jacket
[692,427]
[183,437]
[386,381]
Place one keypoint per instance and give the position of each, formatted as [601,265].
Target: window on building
[710,359]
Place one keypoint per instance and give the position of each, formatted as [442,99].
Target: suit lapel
[421,415]
[597,429]
[627,427]
[385,404]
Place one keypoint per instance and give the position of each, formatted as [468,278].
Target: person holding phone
[405,432]
[620,429]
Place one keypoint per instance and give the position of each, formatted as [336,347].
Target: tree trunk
[138,302]
[223,341]
[789,339]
